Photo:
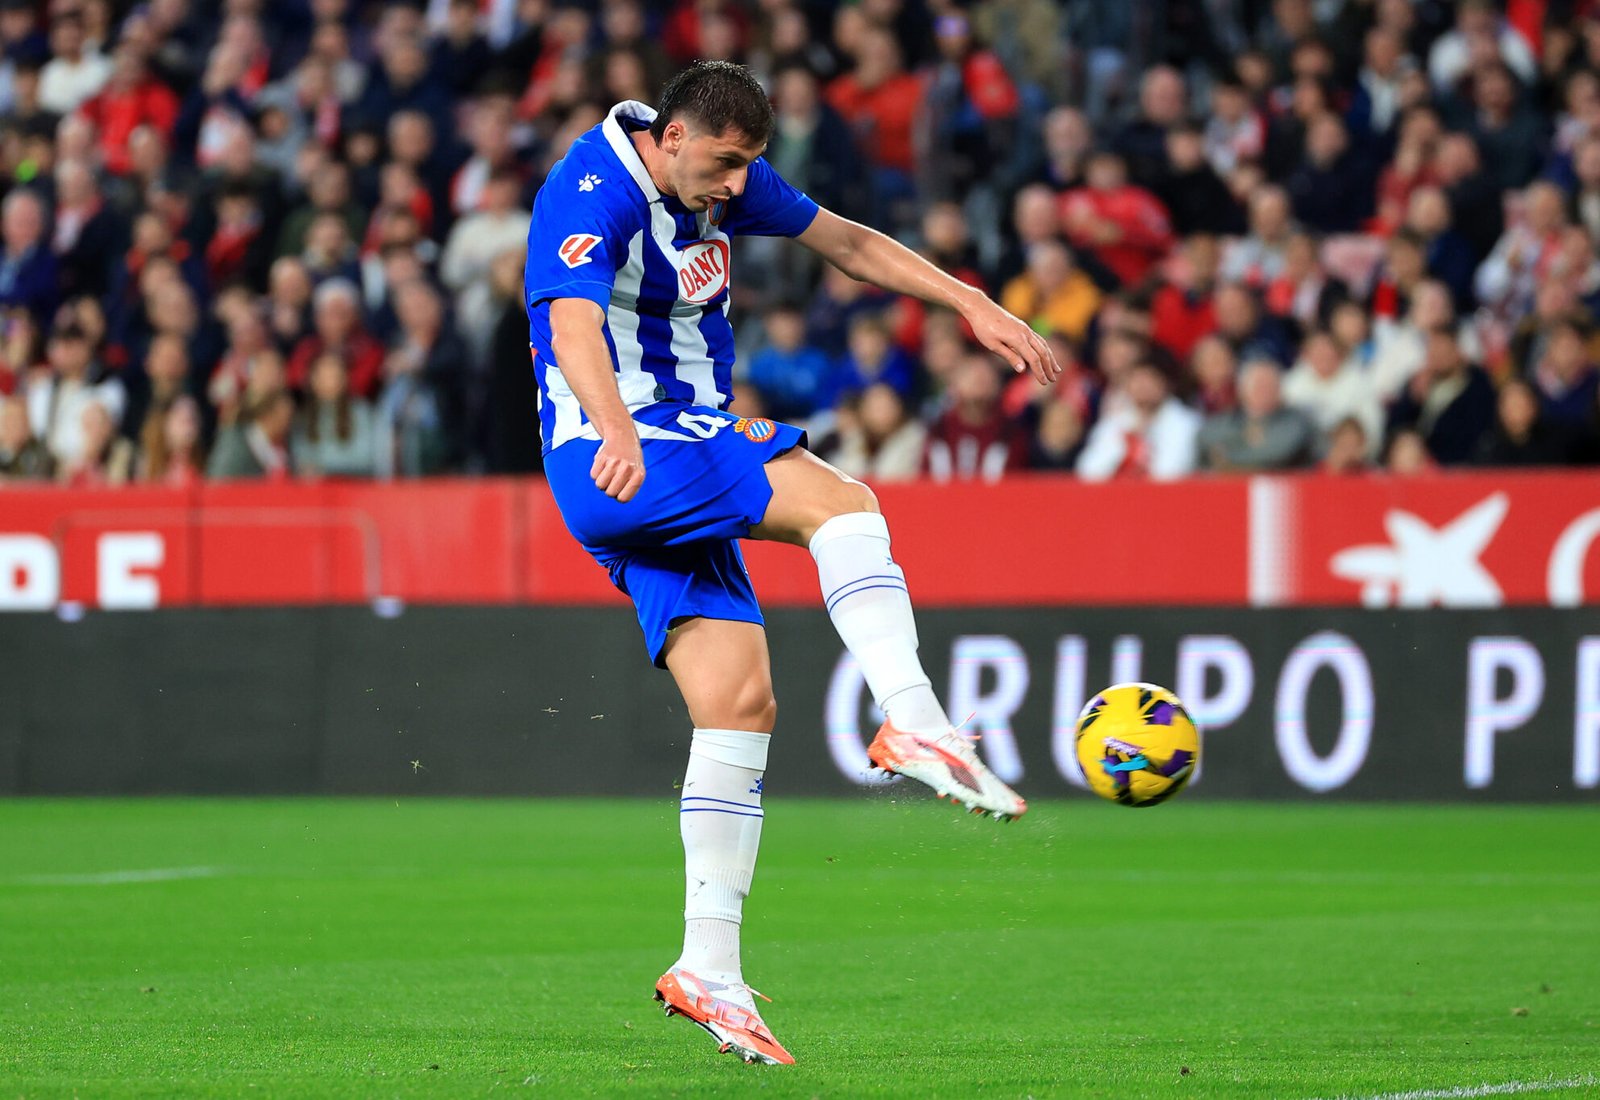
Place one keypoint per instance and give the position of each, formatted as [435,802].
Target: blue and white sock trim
[895,580]
[697,804]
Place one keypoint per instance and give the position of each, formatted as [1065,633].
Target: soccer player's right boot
[949,764]
[727,1012]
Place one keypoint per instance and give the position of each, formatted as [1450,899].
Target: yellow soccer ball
[1136,744]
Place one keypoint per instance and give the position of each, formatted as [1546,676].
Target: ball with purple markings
[1136,744]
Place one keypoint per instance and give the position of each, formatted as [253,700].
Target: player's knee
[859,498]
[756,710]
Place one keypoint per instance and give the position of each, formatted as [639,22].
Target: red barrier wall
[1450,540]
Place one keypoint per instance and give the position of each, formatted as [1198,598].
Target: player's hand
[618,468]
[1013,341]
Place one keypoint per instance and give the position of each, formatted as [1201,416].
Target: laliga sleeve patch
[574,251]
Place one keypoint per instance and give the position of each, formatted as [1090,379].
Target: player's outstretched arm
[578,339]
[864,253]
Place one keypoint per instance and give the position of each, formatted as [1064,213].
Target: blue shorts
[673,548]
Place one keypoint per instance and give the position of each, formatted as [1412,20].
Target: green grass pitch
[308,948]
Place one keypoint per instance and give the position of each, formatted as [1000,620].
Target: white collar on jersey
[622,144]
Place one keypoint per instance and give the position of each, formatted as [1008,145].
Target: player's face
[707,168]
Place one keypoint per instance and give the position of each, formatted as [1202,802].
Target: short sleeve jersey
[602,231]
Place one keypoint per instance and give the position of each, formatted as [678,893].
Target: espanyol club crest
[756,430]
[703,271]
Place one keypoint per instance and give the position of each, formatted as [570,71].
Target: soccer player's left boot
[727,1012]
[949,764]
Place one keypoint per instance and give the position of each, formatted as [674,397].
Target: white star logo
[1425,567]
[587,183]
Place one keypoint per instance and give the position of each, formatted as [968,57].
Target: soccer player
[627,295]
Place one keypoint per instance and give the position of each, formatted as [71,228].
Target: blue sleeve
[577,242]
[769,206]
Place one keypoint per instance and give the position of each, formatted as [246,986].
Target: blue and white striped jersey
[602,231]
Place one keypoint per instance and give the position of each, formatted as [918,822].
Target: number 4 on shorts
[704,425]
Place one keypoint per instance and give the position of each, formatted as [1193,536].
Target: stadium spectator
[1295,296]
[497,226]
[337,327]
[402,81]
[1583,207]
[56,400]
[1068,142]
[172,448]
[1058,437]
[132,97]
[1565,375]
[872,357]
[1522,434]
[1507,280]
[1163,104]
[105,459]
[86,232]
[1349,449]
[1053,294]
[1235,132]
[1250,331]
[971,112]
[460,51]
[1332,189]
[793,378]
[1412,165]
[881,102]
[334,433]
[1183,312]
[513,392]
[1214,371]
[22,457]
[1447,255]
[813,147]
[1380,83]
[1327,387]
[1450,402]
[493,154]
[256,446]
[1507,131]
[1195,196]
[21,349]
[974,440]
[1258,257]
[288,303]
[1122,224]
[1478,30]
[329,192]
[75,72]
[1143,431]
[29,274]
[419,412]
[165,378]
[880,440]
[1261,433]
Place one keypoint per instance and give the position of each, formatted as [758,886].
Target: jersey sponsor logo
[574,251]
[703,271]
[756,430]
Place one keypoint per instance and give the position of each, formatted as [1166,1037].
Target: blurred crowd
[250,239]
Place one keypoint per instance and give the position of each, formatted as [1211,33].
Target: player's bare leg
[837,519]
[722,669]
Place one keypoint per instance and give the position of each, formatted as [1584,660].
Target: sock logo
[757,788]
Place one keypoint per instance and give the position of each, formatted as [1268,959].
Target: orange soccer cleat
[727,1013]
[949,764]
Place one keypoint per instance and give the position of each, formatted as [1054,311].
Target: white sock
[720,817]
[865,593]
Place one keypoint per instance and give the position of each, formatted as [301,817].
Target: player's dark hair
[717,96]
